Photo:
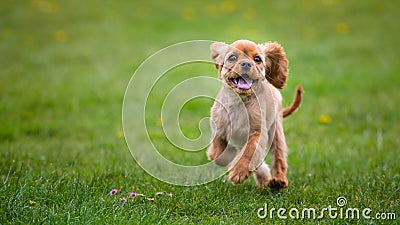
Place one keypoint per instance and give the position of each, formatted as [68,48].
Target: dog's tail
[296,102]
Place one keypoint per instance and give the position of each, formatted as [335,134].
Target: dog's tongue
[242,84]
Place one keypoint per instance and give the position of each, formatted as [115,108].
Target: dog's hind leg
[279,154]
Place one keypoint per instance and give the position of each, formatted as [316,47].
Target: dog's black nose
[245,65]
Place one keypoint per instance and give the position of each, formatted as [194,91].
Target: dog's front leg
[216,148]
[240,171]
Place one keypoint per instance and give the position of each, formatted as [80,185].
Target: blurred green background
[65,66]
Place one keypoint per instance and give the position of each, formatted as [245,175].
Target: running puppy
[247,114]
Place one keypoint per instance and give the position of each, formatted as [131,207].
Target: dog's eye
[257,59]
[232,58]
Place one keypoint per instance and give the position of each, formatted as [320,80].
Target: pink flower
[150,199]
[122,199]
[159,193]
[114,191]
[133,195]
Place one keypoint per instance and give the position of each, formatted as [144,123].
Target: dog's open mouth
[243,82]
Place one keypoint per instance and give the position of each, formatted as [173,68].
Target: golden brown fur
[247,114]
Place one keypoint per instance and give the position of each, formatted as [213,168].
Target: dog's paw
[238,174]
[262,175]
[277,183]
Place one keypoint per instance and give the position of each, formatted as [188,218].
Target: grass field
[65,67]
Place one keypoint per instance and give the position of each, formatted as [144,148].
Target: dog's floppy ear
[276,68]
[218,52]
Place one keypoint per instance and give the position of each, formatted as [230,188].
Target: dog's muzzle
[243,82]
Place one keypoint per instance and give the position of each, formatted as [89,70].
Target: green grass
[65,67]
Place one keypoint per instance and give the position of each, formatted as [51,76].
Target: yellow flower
[31,202]
[120,134]
[227,6]
[159,122]
[60,36]
[45,6]
[342,28]
[324,119]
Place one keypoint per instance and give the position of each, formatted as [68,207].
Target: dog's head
[244,64]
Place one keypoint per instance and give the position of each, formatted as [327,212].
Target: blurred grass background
[65,67]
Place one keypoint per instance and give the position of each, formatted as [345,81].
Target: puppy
[247,113]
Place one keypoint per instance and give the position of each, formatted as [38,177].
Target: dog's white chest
[239,127]
[232,121]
